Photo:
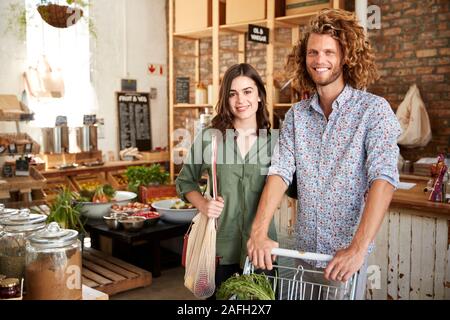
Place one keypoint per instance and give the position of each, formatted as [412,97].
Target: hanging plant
[61,16]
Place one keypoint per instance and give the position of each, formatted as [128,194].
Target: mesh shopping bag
[200,255]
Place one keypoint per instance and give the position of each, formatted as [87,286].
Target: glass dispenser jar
[53,265]
[16,231]
[5,213]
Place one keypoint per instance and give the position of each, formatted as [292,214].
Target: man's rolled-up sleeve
[381,145]
[283,160]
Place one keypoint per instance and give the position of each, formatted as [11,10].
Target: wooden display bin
[55,185]
[117,179]
[147,194]
[159,156]
[88,181]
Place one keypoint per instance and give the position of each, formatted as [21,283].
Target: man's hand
[344,264]
[212,208]
[259,251]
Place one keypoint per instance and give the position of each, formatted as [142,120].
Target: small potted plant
[149,182]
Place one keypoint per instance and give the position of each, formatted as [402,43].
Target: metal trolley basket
[292,281]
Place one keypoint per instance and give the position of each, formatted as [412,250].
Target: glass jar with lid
[10,288]
[16,230]
[53,265]
[5,213]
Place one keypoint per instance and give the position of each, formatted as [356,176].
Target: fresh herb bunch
[246,287]
[66,212]
[145,176]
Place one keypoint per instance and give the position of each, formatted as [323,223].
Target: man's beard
[335,74]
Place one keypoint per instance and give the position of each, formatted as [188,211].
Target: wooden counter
[411,256]
[416,199]
[108,166]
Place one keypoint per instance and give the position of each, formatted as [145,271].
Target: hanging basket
[60,16]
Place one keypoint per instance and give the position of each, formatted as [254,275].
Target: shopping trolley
[299,283]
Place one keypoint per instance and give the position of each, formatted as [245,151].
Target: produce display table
[125,244]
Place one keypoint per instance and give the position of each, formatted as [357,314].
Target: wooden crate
[55,185]
[20,139]
[117,179]
[148,194]
[159,156]
[80,181]
[111,275]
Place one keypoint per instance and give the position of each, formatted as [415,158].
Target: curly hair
[224,118]
[359,67]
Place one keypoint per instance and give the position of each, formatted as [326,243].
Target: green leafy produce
[145,176]
[109,191]
[66,212]
[102,193]
[246,287]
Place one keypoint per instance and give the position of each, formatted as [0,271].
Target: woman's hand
[212,208]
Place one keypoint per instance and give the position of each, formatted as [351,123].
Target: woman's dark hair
[224,118]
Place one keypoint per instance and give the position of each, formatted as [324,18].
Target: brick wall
[413,46]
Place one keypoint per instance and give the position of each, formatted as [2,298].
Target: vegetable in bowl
[180,204]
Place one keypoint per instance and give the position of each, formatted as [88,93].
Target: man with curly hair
[342,145]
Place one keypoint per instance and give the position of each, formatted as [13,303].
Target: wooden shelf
[188,105]
[195,34]
[242,27]
[34,181]
[294,20]
[12,109]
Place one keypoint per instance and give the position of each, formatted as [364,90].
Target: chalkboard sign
[89,119]
[258,34]
[22,168]
[8,170]
[134,120]
[182,90]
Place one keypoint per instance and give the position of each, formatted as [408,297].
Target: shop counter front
[410,260]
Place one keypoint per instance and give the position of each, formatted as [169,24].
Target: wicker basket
[60,16]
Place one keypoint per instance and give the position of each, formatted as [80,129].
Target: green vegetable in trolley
[246,287]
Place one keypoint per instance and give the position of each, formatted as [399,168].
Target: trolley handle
[301,254]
